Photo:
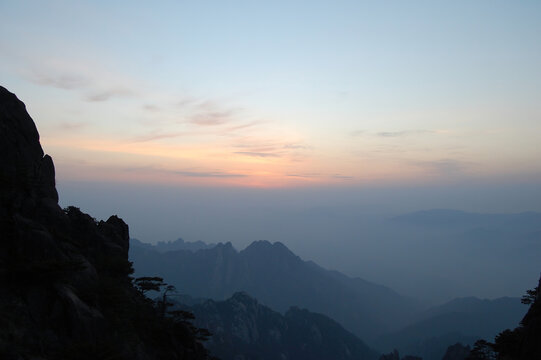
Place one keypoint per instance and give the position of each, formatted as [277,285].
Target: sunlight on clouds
[195,117]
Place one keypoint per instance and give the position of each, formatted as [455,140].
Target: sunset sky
[280,93]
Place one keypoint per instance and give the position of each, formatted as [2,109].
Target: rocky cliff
[66,290]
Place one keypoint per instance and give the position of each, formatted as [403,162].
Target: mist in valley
[362,232]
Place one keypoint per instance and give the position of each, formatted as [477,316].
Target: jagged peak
[265,246]
[222,247]
[243,297]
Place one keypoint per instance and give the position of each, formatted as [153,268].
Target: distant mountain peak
[226,245]
[179,244]
[259,244]
[244,298]
[268,248]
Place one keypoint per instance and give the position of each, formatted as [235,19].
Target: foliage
[181,320]
[530,296]
[508,341]
[147,283]
[482,350]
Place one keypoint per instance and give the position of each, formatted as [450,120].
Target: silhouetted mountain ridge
[279,279]
[244,329]
[179,244]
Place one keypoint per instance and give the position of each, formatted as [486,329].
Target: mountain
[66,289]
[463,320]
[279,279]
[244,329]
[178,244]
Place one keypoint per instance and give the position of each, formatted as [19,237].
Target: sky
[281,93]
[305,122]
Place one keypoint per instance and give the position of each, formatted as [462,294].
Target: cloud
[243,126]
[268,148]
[304,175]
[64,81]
[342,177]
[403,133]
[151,137]
[186,173]
[295,146]
[391,134]
[108,94]
[151,108]
[257,154]
[211,113]
[94,83]
[212,118]
[208,174]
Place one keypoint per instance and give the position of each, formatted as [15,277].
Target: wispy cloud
[62,81]
[108,94]
[187,172]
[295,146]
[211,113]
[266,148]
[313,175]
[160,136]
[391,134]
[257,154]
[208,174]
[92,83]
[402,133]
[151,108]
[242,126]
[212,118]
[342,177]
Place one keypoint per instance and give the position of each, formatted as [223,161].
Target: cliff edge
[66,288]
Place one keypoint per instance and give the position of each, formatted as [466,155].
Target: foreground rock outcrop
[66,289]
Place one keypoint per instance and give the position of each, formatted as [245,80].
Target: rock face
[246,330]
[66,291]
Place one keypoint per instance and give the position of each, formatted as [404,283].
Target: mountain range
[279,279]
[179,244]
[68,291]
